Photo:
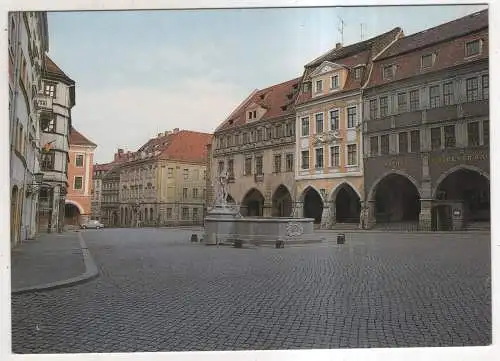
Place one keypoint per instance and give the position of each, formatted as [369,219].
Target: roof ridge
[366,42]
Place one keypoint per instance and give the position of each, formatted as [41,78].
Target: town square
[224,187]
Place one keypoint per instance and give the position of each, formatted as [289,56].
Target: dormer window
[357,73]
[319,86]
[252,114]
[427,60]
[255,114]
[388,72]
[249,115]
[335,82]
[305,87]
[472,48]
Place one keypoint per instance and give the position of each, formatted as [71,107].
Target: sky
[139,73]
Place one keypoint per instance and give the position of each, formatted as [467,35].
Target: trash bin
[341,238]
[280,244]
[194,237]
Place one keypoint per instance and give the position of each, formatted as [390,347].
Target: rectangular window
[352,154]
[221,167]
[230,166]
[195,214]
[260,134]
[486,86]
[79,160]
[305,126]
[434,96]
[335,156]
[357,73]
[289,162]
[402,102]
[184,193]
[185,213]
[448,93]
[449,136]
[403,142]
[374,145]
[169,213]
[170,172]
[50,90]
[305,159]
[48,124]
[48,161]
[472,89]
[472,48]
[473,134]
[486,132]
[351,117]
[319,86]
[258,165]
[246,138]
[279,131]
[319,123]
[269,133]
[195,192]
[388,72]
[277,163]
[319,158]
[335,82]
[436,138]
[415,141]
[414,100]
[426,61]
[334,119]
[373,109]
[78,184]
[384,144]
[384,106]
[248,165]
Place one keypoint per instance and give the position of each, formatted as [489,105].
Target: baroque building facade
[27,44]
[329,168]
[426,129]
[163,183]
[80,171]
[256,146]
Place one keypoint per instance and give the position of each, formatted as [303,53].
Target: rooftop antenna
[362,35]
[341,30]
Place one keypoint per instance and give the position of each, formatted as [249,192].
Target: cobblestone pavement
[159,292]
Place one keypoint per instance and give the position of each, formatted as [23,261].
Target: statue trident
[220,186]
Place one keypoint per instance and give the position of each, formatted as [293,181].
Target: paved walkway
[50,261]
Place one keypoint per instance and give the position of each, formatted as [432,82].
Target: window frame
[352,117]
[305,165]
[356,155]
[305,124]
[77,155]
[319,121]
[81,182]
[319,158]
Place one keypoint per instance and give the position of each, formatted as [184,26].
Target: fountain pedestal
[220,225]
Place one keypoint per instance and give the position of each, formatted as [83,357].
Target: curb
[91,272]
[327,231]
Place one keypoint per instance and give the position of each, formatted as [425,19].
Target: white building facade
[55,103]
[28,42]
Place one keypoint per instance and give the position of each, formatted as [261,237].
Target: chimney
[160,135]
[338,45]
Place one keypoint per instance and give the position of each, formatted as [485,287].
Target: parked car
[92,224]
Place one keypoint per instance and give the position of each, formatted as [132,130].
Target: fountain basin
[221,228]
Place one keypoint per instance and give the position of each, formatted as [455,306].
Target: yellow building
[163,183]
[329,167]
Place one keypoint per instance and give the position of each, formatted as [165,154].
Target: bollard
[194,237]
[341,238]
[280,244]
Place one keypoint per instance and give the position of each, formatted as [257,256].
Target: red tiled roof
[77,138]
[182,145]
[350,56]
[51,69]
[440,33]
[278,101]
[449,52]
[103,167]
[349,50]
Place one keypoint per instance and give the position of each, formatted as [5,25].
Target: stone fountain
[225,225]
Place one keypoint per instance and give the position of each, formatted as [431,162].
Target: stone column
[298,209]
[326,220]
[370,214]
[268,209]
[425,217]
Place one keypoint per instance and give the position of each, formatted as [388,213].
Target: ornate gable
[327,67]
